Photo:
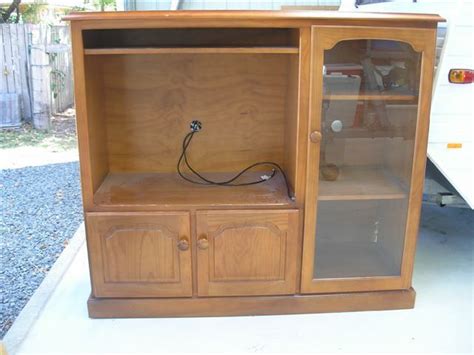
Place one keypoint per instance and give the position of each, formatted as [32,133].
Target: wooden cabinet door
[369,114]
[246,252]
[140,254]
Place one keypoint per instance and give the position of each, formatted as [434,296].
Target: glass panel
[369,113]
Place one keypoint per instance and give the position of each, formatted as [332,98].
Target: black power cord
[196,127]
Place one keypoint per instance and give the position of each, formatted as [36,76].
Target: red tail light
[461,76]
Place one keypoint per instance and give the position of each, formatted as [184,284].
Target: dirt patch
[61,136]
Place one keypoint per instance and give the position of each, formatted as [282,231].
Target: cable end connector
[195,126]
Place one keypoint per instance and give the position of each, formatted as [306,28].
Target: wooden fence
[36,66]
[61,69]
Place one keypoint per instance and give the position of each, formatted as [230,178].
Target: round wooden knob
[203,242]
[183,244]
[315,136]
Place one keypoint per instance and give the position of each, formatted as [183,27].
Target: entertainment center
[301,188]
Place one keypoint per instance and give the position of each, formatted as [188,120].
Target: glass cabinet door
[366,130]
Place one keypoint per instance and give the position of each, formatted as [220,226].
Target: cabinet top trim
[295,16]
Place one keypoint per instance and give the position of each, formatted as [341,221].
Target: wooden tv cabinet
[340,101]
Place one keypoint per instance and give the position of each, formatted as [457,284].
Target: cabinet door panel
[366,157]
[246,252]
[137,254]
[144,253]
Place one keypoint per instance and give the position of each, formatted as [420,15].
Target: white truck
[450,169]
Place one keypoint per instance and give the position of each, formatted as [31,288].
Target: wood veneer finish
[241,101]
[250,252]
[243,18]
[140,77]
[249,306]
[168,190]
[137,254]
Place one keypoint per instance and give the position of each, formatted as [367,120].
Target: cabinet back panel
[150,101]
[96,123]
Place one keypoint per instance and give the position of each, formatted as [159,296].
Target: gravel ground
[41,208]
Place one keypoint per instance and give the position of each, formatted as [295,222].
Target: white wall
[224,4]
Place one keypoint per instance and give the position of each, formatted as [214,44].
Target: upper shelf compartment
[199,40]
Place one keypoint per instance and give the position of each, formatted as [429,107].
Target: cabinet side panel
[419,159]
[88,87]
[96,118]
[291,121]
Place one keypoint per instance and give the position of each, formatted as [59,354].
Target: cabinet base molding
[247,306]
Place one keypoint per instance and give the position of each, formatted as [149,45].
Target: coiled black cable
[230,182]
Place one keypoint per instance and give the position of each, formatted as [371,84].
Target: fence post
[40,72]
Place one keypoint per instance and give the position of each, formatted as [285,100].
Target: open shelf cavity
[169,189]
[140,108]
[199,40]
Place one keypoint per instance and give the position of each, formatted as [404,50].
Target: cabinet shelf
[166,190]
[361,184]
[192,50]
[362,132]
[367,96]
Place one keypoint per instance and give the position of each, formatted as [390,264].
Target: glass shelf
[366,96]
[361,183]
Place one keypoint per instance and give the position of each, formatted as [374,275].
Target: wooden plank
[267,16]
[16,59]
[24,70]
[93,161]
[28,65]
[239,306]
[3,79]
[65,97]
[359,183]
[8,64]
[191,50]
[40,78]
[9,110]
[161,189]
[370,96]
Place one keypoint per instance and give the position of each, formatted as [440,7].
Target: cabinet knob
[315,136]
[183,244]
[203,242]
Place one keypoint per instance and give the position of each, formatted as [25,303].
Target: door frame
[324,38]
